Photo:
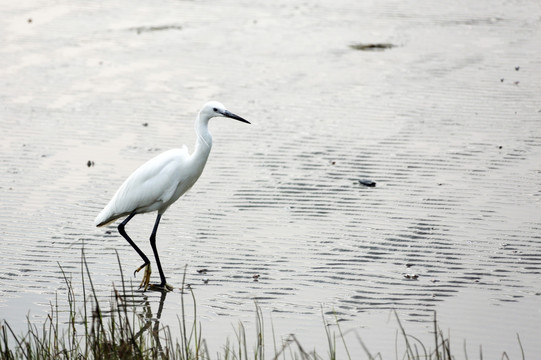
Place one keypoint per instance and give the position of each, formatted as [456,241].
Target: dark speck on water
[367,182]
[142,29]
[371,46]
[411,276]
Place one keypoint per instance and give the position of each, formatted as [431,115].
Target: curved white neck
[203,144]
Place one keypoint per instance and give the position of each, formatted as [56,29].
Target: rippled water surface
[447,122]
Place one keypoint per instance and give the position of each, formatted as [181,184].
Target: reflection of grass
[90,333]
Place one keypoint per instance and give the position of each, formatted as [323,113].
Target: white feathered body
[155,185]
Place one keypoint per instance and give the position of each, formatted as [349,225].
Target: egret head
[216,109]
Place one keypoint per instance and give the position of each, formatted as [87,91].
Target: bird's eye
[215,110]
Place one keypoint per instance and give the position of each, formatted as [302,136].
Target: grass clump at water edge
[119,333]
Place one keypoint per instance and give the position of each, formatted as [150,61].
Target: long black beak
[229,114]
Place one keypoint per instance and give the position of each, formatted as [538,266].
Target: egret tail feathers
[104,217]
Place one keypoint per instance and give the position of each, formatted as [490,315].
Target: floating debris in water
[90,163]
[145,124]
[142,29]
[367,182]
[372,46]
[202,271]
[411,276]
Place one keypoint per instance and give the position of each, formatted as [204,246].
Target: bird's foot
[145,282]
[160,287]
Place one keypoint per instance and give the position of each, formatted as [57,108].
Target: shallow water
[447,123]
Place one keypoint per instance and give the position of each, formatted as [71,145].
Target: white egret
[159,182]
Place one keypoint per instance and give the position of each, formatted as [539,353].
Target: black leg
[153,244]
[123,233]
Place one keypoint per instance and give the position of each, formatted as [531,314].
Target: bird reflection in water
[152,323]
[146,316]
